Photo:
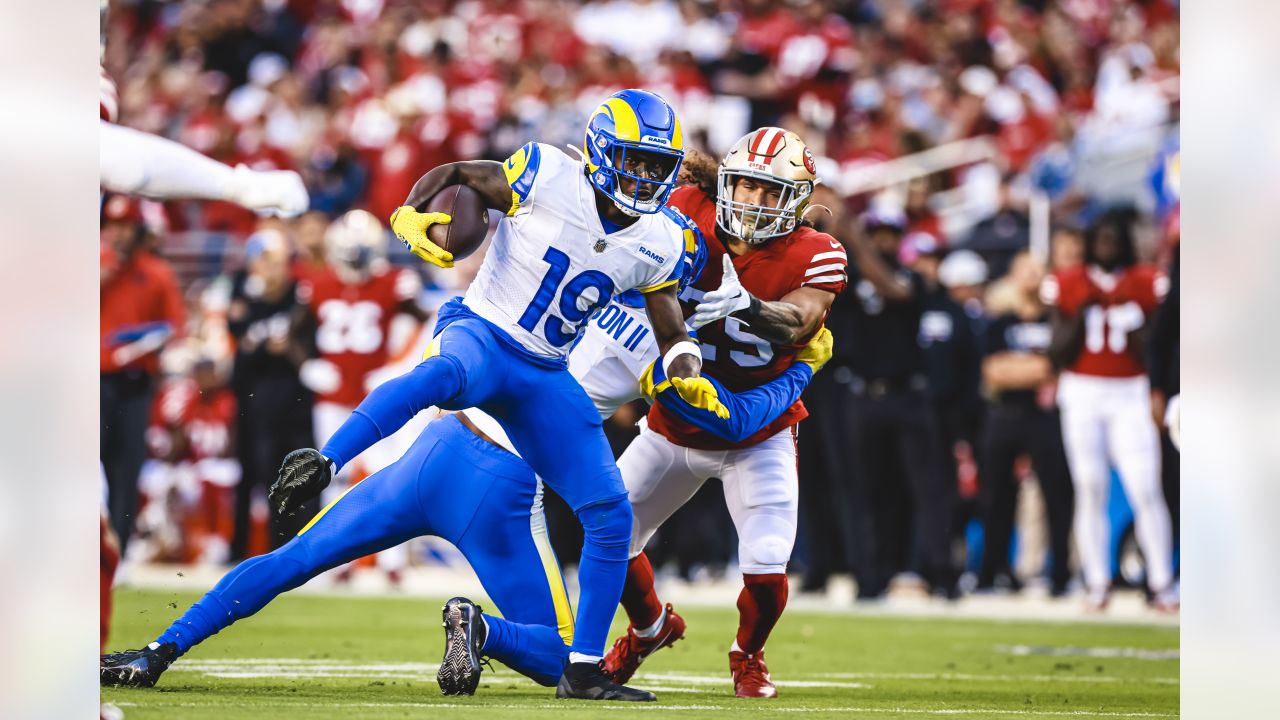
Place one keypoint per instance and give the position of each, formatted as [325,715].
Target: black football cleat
[464,634]
[136,668]
[587,681]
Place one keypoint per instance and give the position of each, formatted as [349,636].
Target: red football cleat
[751,675]
[630,650]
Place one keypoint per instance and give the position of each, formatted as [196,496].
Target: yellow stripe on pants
[555,581]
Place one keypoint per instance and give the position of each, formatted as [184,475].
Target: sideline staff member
[1022,418]
[895,435]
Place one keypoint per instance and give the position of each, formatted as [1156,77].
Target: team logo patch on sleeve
[521,168]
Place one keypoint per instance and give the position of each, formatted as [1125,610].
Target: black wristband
[752,310]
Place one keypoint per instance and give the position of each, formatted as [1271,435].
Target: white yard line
[1091,652]
[968,677]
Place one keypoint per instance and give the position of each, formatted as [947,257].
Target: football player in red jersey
[780,277]
[1100,317]
[352,305]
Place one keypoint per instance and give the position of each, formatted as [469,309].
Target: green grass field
[320,656]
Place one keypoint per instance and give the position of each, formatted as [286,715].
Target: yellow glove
[701,394]
[411,227]
[818,351]
[646,382]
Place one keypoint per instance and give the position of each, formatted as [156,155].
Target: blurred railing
[201,255]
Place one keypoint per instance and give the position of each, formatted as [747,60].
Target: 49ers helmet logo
[809,163]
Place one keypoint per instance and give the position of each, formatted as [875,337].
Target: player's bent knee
[768,554]
[766,544]
[607,523]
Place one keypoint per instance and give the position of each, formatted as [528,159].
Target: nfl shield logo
[600,245]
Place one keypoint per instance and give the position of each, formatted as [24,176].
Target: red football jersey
[353,323]
[205,421]
[730,353]
[207,424]
[1123,302]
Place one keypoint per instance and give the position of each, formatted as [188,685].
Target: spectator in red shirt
[141,309]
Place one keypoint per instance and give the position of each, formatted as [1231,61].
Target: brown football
[466,232]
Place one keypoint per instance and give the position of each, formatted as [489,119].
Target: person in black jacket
[952,333]
[275,408]
[1022,419]
[899,494]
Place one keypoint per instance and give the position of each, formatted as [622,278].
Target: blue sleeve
[384,411]
[749,412]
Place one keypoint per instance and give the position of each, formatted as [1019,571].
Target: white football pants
[761,490]
[1108,420]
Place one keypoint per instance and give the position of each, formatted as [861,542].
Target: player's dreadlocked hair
[699,169]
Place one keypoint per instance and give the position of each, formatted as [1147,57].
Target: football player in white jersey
[575,234]
[467,486]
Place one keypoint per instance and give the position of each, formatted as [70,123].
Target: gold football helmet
[355,246]
[771,155]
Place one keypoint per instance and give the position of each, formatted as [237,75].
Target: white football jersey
[616,347]
[551,263]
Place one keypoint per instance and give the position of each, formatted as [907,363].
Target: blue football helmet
[633,150]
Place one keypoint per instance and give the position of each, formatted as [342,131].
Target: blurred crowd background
[1000,132]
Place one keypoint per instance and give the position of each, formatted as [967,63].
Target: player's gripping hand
[411,227]
[279,192]
[818,351]
[701,394]
[303,474]
[725,300]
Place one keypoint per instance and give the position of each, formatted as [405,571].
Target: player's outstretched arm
[1066,339]
[882,277]
[410,223]
[137,163]
[681,358]
[782,322]
[750,411]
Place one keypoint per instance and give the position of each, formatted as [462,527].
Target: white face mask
[755,224]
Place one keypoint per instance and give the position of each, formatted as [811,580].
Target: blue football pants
[450,484]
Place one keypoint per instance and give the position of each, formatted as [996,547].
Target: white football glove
[725,300]
[320,376]
[280,192]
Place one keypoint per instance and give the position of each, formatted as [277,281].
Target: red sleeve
[1062,290]
[821,262]
[686,199]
